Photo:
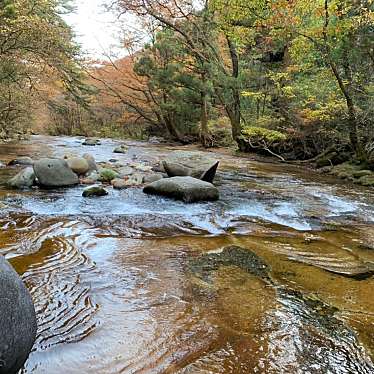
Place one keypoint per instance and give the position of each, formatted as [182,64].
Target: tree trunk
[205,137]
[234,110]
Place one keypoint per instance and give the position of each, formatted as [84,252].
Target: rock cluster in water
[167,178]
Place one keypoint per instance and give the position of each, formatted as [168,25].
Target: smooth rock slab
[187,189]
[17,320]
[54,173]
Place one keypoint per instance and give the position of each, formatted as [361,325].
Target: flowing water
[130,283]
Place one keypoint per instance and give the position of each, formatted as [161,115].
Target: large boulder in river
[53,172]
[79,165]
[24,179]
[187,189]
[17,320]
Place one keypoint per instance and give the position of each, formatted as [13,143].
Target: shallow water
[115,293]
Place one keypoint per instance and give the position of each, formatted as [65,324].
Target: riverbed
[116,290]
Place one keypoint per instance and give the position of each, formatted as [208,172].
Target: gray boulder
[24,179]
[187,189]
[176,170]
[54,173]
[26,161]
[17,320]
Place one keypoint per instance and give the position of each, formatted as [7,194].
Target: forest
[292,79]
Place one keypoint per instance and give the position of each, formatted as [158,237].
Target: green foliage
[260,134]
[36,51]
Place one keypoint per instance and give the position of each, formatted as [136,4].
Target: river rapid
[130,283]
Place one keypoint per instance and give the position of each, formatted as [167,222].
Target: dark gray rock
[187,189]
[17,320]
[94,191]
[208,175]
[26,161]
[52,172]
[24,179]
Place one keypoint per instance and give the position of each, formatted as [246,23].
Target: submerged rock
[94,191]
[17,320]
[24,179]
[27,161]
[54,173]
[243,258]
[187,189]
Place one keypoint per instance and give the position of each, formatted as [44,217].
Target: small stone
[121,149]
[150,178]
[125,171]
[119,183]
[91,142]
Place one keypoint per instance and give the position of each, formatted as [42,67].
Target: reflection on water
[115,292]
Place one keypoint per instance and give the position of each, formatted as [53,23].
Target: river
[130,283]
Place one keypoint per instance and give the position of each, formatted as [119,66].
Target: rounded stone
[17,320]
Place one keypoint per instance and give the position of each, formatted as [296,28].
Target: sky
[98,31]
